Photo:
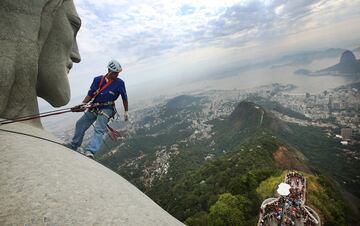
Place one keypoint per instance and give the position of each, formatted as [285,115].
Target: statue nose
[75,55]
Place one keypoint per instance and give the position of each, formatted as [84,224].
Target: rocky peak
[347,57]
[247,115]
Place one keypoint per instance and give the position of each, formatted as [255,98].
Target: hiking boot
[81,150]
[68,145]
[89,154]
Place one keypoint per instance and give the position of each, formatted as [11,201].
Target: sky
[163,44]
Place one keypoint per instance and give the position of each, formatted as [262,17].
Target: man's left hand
[126,116]
[79,108]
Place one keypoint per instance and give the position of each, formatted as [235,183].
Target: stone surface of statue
[41,181]
[38,48]
[44,183]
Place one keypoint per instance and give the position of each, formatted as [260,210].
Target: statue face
[57,56]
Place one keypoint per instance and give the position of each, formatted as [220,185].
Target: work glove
[79,108]
[126,116]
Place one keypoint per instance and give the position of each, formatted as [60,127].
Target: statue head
[37,49]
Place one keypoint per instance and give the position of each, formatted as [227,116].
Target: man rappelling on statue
[99,107]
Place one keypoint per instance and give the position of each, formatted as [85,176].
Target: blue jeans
[84,123]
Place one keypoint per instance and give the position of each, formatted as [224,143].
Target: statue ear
[46,19]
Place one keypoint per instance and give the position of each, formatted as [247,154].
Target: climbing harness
[113,133]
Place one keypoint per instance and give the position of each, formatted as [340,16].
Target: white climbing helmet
[114,66]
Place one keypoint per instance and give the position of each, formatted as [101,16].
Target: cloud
[139,32]
[150,28]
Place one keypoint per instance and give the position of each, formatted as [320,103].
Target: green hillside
[245,177]
[324,154]
[238,173]
[220,179]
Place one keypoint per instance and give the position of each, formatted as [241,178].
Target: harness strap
[114,134]
[109,103]
[100,112]
[101,88]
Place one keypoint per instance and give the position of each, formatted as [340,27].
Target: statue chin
[53,83]
[57,96]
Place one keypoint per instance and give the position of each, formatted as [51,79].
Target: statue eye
[75,23]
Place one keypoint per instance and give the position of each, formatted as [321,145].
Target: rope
[30,135]
[34,117]
[41,138]
[51,113]
[47,112]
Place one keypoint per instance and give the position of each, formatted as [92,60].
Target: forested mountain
[210,164]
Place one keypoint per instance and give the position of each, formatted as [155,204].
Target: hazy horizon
[182,46]
[250,78]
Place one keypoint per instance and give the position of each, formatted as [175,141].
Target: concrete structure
[44,183]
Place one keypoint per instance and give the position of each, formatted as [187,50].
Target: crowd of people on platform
[287,210]
[295,179]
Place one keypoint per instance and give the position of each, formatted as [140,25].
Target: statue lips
[69,66]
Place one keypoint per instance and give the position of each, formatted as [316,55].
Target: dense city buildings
[337,108]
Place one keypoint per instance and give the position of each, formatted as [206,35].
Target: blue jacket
[110,93]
